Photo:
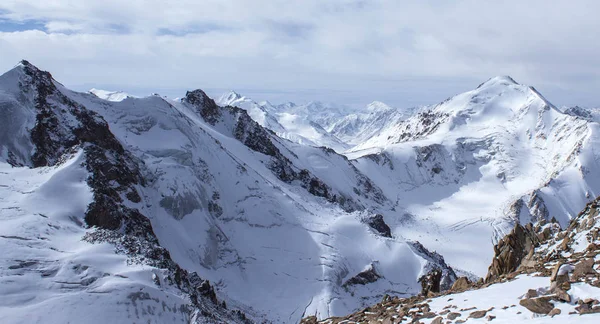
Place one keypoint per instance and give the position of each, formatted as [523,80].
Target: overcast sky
[401,52]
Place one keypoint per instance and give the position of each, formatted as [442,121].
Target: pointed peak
[499,80]
[230,97]
[27,73]
[198,97]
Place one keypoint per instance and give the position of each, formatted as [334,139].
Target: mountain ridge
[208,189]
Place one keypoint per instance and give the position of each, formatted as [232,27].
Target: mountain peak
[109,95]
[377,106]
[229,98]
[197,97]
[499,80]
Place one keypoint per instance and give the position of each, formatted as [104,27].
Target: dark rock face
[429,122]
[377,223]
[362,278]
[511,250]
[432,281]
[207,108]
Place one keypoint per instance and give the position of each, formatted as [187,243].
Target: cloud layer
[406,51]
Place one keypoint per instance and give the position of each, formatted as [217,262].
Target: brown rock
[490,317]
[478,314]
[511,251]
[531,293]
[554,312]
[564,245]
[540,305]
[453,316]
[555,271]
[461,284]
[437,320]
[582,268]
[562,295]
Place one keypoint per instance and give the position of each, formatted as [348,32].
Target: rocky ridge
[62,128]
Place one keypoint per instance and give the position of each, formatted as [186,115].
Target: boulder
[438,320]
[453,316]
[531,293]
[554,312]
[540,305]
[478,314]
[461,284]
[583,268]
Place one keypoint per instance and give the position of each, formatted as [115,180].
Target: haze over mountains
[123,209]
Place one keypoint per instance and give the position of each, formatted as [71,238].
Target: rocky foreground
[540,273]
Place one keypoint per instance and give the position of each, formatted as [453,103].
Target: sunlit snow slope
[463,171]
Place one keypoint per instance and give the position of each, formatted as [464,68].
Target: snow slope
[278,228]
[109,95]
[49,275]
[282,229]
[464,171]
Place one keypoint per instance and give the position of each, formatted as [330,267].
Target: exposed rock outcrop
[377,223]
[438,276]
[511,251]
[364,277]
[63,127]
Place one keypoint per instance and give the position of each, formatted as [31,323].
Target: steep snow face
[50,275]
[221,210]
[465,170]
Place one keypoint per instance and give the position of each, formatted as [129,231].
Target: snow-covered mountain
[286,121]
[360,126]
[181,192]
[190,211]
[320,124]
[465,170]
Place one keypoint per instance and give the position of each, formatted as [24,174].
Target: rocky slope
[540,273]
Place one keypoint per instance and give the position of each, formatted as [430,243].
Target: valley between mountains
[123,209]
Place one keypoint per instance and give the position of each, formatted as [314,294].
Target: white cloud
[370,46]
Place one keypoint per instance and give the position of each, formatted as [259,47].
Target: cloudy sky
[400,52]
